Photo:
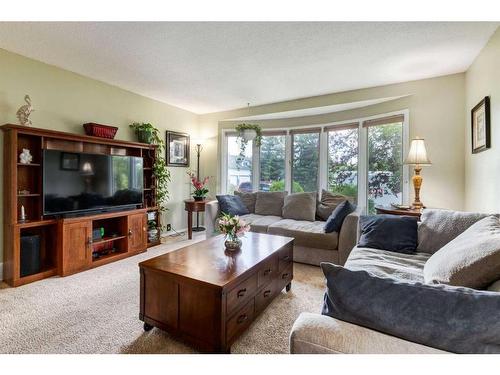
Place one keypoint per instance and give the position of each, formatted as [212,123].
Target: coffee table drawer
[265,296]
[237,296]
[240,321]
[285,258]
[267,271]
[285,277]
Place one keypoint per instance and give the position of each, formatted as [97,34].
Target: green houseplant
[160,171]
[246,133]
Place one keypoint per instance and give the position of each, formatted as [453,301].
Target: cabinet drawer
[265,296]
[285,277]
[240,321]
[267,272]
[241,293]
[285,257]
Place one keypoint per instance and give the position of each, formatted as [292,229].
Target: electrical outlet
[169,227]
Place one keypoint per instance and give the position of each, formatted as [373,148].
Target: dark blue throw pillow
[232,205]
[389,232]
[335,220]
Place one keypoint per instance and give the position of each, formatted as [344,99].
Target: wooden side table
[190,205]
[398,211]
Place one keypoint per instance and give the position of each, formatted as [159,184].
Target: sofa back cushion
[334,222]
[232,205]
[472,259]
[248,200]
[270,202]
[300,206]
[438,227]
[455,319]
[328,202]
[389,232]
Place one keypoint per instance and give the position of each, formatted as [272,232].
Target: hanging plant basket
[247,133]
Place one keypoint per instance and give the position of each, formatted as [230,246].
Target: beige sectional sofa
[311,246]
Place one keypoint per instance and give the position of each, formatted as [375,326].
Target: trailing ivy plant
[240,129]
[160,171]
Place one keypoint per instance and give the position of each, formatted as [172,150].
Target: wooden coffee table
[206,296]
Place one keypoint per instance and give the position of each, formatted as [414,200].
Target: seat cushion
[384,263]
[260,225]
[306,233]
[250,218]
[300,206]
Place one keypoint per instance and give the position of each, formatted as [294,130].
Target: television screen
[75,182]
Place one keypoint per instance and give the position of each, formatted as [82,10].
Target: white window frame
[323,156]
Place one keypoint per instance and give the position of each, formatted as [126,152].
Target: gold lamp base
[417,183]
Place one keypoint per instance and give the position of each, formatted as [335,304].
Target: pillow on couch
[334,222]
[270,202]
[389,232]
[248,200]
[472,259]
[328,202]
[232,205]
[438,227]
[455,319]
[300,206]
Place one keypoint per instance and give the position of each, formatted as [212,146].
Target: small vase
[198,199]
[232,243]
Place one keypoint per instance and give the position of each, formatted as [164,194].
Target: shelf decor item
[480,126]
[200,191]
[417,156]
[233,228]
[24,112]
[25,157]
[177,149]
[145,132]
[99,130]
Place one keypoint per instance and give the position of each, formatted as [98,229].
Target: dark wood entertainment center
[66,244]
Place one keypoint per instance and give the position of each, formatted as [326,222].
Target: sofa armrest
[211,214]
[349,235]
[321,334]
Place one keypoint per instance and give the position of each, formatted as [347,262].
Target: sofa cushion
[327,204]
[472,259]
[389,232]
[388,263]
[306,233]
[260,225]
[438,227]
[455,319]
[232,205]
[248,200]
[250,218]
[334,222]
[300,206]
[269,202]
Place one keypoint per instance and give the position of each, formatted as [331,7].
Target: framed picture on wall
[480,123]
[177,149]
[70,161]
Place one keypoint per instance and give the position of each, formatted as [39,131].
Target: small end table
[190,205]
[399,211]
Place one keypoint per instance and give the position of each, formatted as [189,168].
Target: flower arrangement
[200,191]
[233,227]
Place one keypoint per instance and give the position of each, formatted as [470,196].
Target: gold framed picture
[480,124]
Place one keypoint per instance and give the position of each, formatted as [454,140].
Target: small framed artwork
[480,123]
[70,161]
[177,149]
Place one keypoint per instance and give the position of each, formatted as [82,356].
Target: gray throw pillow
[300,206]
[270,202]
[472,259]
[329,201]
[438,227]
[248,200]
[451,318]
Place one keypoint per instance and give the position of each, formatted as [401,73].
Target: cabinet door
[77,247]
[137,240]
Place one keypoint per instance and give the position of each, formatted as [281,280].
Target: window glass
[272,163]
[305,162]
[239,166]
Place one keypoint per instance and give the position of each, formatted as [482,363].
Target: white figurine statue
[24,112]
[25,157]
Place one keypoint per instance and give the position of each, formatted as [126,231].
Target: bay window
[305,160]
[272,161]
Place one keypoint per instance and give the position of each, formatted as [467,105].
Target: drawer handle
[242,318]
[241,292]
[267,293]
[284,276]
[267,272]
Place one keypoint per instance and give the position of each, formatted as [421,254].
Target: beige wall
[482,169]
[64,101]
[436,114]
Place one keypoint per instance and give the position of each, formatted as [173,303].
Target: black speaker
[30,255]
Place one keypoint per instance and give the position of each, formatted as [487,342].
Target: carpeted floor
[97,312]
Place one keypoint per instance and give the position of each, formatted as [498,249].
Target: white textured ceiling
[213,66]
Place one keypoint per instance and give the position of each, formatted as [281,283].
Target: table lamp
[417,156]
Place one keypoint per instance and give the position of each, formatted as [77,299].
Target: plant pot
[145,136]
[198,199]
[249,134]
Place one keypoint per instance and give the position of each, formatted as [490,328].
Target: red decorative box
[99,130]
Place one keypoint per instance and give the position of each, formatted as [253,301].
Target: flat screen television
[81,183]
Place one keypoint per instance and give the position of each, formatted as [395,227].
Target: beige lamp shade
[418,153]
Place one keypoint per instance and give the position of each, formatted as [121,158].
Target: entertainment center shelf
[66,245]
